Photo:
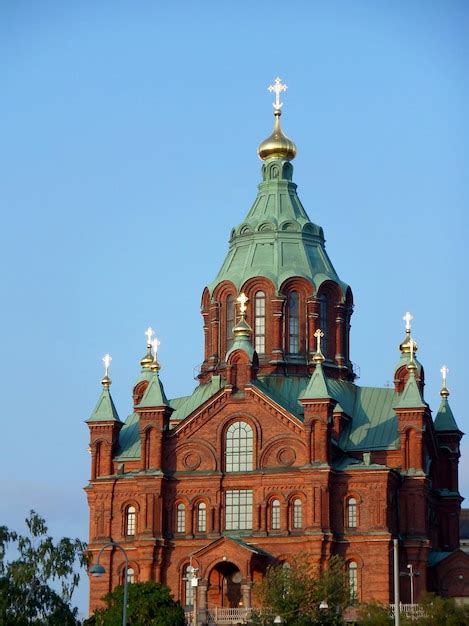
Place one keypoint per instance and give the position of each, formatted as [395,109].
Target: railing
[411,610]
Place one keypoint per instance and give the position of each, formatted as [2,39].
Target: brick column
[339,334]
[313,322]
[277,356]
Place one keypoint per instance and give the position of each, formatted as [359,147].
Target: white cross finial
[277,87]
[155,343]
[444,373]
[241,300]
[319,335]
[107,358]
[407,319]
[149,333]
[411,348]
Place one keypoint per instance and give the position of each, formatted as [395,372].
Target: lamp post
[191,577]
[411,575]
[98,570]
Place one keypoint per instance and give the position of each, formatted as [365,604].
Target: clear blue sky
[128,134]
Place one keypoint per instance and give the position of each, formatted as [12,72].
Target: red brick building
[277,451]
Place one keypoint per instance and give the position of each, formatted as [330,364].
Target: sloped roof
[104,411]
[444,419]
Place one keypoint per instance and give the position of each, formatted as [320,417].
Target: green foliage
[295,593]
[25,592]
[375,614]
[149,604]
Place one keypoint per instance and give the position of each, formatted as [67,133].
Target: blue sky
[128,151]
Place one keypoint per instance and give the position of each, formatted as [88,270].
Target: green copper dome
[277,239]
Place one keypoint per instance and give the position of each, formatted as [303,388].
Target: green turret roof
[104,411]
[154,394]
[317,387]
[444,419]
[411,398]
[277,239]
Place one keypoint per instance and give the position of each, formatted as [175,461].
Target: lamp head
[97,570]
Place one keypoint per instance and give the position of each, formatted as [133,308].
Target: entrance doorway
[224,586]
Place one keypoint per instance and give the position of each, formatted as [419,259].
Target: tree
[149,604]
[26,594]
[296,591]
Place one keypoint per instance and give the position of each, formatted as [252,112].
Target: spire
[154,395]
[317,388]
[147,359]
[277,145]
[444,420]
[105,411]
[411,398]
[242,331]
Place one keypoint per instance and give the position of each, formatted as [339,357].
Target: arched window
[238,450]
[297,513]
[293,322]
[323,322]
[181,518]
[202,517]
[259,322]
[353,579]
[275,515]
[130,575]
[188,599]
[130,521]
[230,321]
[352,513]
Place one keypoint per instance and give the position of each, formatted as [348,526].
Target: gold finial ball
[277,145]
[155,366]
[242,328]
[444,393]
[404,347]
[318,358]
[106,381]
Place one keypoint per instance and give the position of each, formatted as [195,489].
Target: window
[238,510]
[351,513]
[259,322]
[181,518]
[293,322]
[202,517]
[130,521]
[275,515]
[230,321]
[238,450]
[130,575]
[297,514]
[323,322]
[188,588]
[353,579]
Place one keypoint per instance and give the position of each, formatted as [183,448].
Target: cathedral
[277,451]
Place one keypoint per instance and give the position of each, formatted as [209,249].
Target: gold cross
[318,334]
[242,299]
[277,87]
[155,343]
[407,319]
[444,373]
[149,333]
[107,358]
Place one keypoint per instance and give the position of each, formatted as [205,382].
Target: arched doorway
[224,586]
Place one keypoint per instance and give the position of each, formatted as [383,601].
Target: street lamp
[192,578]
[98,570]
[411,575]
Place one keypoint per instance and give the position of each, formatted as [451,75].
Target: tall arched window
[323,322]
[293,322]
[238,449]
[130,521]
[352,513]
[259,322]
[230,321]
[297,513]
[188,588]
[275,515]
[353,579]
[202,517]
[181,518]
[130,575]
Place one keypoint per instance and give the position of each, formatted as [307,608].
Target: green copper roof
[277,239]
[154,395]
[104,411]
[317,386]
[444,419]
[411,398]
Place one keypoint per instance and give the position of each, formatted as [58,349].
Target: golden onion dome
[242,328]
[106,381]
[278,145]
[405,345]
[147,360]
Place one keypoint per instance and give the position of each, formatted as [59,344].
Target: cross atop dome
[277,88]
